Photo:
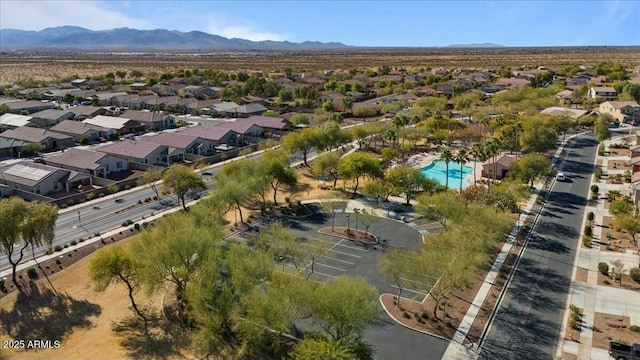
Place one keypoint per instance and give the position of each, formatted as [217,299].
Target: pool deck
[425,159]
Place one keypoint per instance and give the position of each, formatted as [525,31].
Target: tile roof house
[502,165]
[242,128]
[41,179]
[11,147]
[151,120]
[573,113]
[85,111]
[512,83]
[94,163]
[269,123]
[49,139]
[78,129]
[29,106]
[249,109]
[225,108]
[188,144]
[624,111]
[214,134]
[331,96]
[120,124]
[11,121]
[138,151]
[605,92]
[50,117]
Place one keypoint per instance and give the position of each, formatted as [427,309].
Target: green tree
[344,306]
[397,263]
[531,166]
[409,181]
[378,189]
[302,142]
[299,119]
[621,207]
[360,134]
[276,165]
[628,223]
[137,74]
[32,149]
[447,206]
[601,128]
[537,137]
[447,156]
[181,180]
[173,251]
[327,163]
[4,108]
[477,152]
[313,348]
[113,265]
[347,103]
[122,75]
[25,224]
[359,164]
[328,106]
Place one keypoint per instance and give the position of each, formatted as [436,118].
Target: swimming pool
[437,170]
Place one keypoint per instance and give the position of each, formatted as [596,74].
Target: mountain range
[74,37]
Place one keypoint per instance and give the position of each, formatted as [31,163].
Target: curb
[407,326]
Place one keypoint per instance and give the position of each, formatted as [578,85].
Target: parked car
[102,140]
[620,351]
[561,177]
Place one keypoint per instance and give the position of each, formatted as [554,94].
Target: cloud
[37,15]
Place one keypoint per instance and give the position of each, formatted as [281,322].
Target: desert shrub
[74,242]
[603,267]
[70,202]
[574,324]
[129,222]
[32,273]
[588,231]
[598,173]
[124,223]
[58,248]
[590,216]
[601,150]
[136,226]
[633,328]
[606,282]
[635,274]
[586,241]
[406,315]
[127,187]
[595,188]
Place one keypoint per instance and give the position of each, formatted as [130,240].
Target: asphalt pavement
[528,322]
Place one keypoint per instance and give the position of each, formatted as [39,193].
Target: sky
[359,23]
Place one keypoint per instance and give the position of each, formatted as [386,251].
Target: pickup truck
[621,351]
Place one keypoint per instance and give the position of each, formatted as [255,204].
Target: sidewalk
[456,349]
[591,297]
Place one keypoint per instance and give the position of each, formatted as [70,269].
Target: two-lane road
[527,324]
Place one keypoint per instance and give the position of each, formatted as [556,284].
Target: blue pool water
[437,170]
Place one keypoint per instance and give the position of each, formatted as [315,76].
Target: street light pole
[348,224]
[79,220]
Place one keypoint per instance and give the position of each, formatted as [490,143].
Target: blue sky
[362,23]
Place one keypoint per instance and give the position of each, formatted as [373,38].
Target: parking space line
[329,266]
[344,253]
[336,244]
[347,246]
[335,259]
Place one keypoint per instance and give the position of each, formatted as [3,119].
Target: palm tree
[400,121]
[491,150]
[477,151]
[447,157]
[461,158]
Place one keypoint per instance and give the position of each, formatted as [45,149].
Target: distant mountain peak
[74,37]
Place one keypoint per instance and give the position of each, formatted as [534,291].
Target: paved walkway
[590,296]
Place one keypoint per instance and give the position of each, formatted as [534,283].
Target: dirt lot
[53,66]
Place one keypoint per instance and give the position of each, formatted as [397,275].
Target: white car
[561,177]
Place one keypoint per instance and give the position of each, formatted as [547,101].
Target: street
[527,324]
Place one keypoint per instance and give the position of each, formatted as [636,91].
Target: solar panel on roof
[27,172]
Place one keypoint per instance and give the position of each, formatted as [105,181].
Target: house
[242,128]
[187,144]
[120,124]
[512,83]
[138,152]
[78,130]
[28,106]
[501,163]
[604,92]
[105,98]
[273,124]
[425,91]
[444,89]
[201,91]
[565,96]
[94,163]
[11,147]
[139,86]
[41,179]
[249,109]
[11,121]
[150,119]
[573,113]
[83,112]
[78,82]
[623,111]
[50,117]
[51,140]
[214,134]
